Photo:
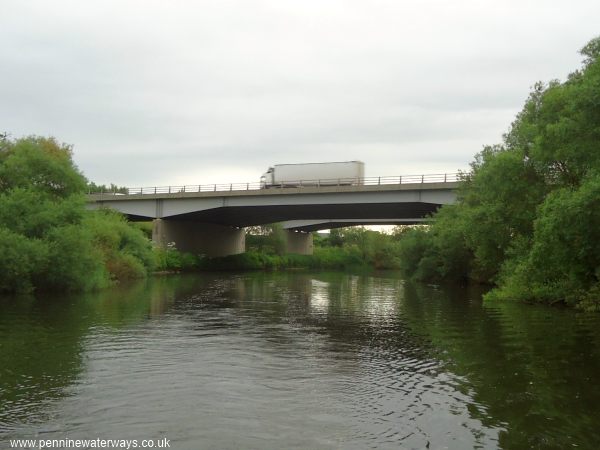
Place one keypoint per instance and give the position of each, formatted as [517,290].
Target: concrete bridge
[210,219]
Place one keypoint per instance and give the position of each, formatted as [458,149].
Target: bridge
[210,219]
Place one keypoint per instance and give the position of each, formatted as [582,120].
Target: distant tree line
[93,188]
[349,247]
[528,214]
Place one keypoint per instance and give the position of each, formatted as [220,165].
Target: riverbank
[323,258]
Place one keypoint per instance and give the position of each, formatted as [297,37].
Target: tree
[268,238]
[47,238]
[40,164]
[526,215]
[563,262]
[498,203]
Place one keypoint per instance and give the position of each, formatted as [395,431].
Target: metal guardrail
[255,186]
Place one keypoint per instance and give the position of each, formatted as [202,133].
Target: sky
[197,92]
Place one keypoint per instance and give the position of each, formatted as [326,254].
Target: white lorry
[342,173]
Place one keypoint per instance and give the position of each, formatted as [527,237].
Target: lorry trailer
[342,173]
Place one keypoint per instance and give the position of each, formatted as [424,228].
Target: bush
[244,261]
[173,259]
[562,263]
[124,249]
[47,238]
[21,259]
[74,263]
[144,227]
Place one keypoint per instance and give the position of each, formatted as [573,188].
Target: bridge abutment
[199,238]
[299,242]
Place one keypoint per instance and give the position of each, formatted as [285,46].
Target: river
[298,360]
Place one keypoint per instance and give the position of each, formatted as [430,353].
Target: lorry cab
[266,180]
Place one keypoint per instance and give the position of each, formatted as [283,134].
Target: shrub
[47,238]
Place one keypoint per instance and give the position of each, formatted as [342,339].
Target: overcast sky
[172,92]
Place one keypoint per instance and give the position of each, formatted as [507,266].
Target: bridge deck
[449,185]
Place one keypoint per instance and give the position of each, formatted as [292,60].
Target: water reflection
[298,360]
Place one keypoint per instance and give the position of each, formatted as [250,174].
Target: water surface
[298,360]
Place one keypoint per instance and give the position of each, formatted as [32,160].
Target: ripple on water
[295,361]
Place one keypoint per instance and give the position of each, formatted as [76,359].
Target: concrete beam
[199,238]
[300,243]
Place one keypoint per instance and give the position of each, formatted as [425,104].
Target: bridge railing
[254,186]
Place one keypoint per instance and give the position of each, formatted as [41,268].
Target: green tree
[47,238]
[268,238]
[563,262]
[559,127]
[526,214]
[40,164]
[124,249]
[336,238]
[21,260]
[497,205]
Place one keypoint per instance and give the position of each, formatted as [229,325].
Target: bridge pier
[299,242]
[199,238]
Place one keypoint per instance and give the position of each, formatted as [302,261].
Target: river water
[298,360]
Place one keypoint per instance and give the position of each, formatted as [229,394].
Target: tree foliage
[340,248]
[39,164]
[562,264]
[47,238]
[269,239]
[526,216]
